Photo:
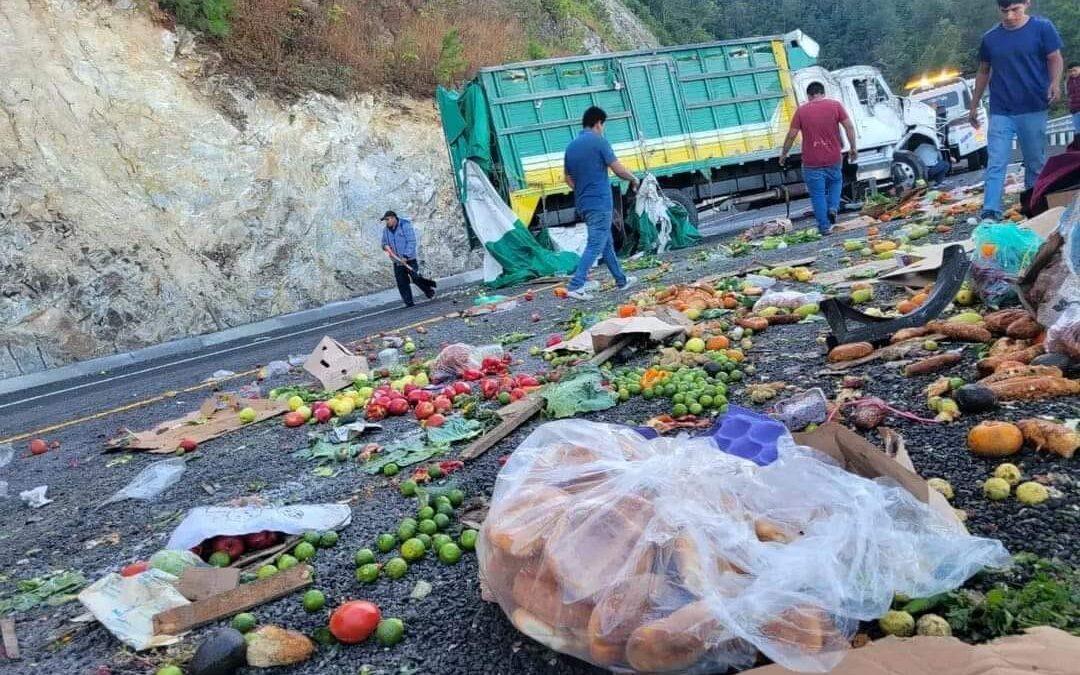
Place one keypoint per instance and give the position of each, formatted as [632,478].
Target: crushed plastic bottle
[151,481]
[35,498]
[389,359]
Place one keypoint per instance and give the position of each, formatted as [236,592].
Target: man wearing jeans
[399,244]
[1020,59]
[819,120]
[586,164]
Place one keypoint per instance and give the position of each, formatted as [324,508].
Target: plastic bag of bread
[668,555]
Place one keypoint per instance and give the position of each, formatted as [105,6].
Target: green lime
[390,469]
[425,539]
[243,622]
[367,574]
[312,538]
[413,550]
[434,471]
[323,636]
[624,394]
[328,539]
[442,521]
[696,409]
[680,410]
[314,601]
[441,499]
[956,382]
[304,551]
[428,526]
[449,554]
[705,400]
[396,568]
[390,632]
[286,562]
[426,513]
[364,556]
[504,398]
[169,670]
[220,559]
[440,540]
[444,508]
[407,488]
[649,394]
[635,389]
[266,571]
[406,530]
[679,398]
[457,497]
[468,539]
[736,376]
[386,542]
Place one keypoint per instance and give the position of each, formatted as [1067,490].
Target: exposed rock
[270,646]
[144,197]
[628,27]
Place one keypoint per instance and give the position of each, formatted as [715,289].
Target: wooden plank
[256,559]
[11,641]
[511,420]
[182,619]
[606,355]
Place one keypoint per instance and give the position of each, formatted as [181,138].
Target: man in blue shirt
[1020,59]
[586,164]
[399,243]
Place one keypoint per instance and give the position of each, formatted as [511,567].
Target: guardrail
[1060,125]
[1059,132]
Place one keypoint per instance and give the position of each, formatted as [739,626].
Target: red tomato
[294,419]
[462,388]
[38,447]
[517,394]
[135,568]
[425,410]
[443,404]
[188,445]
[436,420]
[472,375]
[354,621]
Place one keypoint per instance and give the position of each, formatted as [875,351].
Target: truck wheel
[978,159]
[683,200]
[907,169]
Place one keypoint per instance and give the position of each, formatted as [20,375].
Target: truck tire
[978,159]
[907,169]
[683,200]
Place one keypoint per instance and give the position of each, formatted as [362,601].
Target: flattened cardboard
[216,417]
[1062,199]
[333,365]
[1042,650]
[924,272]
[603,334]
[843,275]
[199,583]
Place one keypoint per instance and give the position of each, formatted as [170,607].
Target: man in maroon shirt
[819,120]
[1073,88]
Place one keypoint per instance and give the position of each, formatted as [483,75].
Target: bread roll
[559,639]
[768,531]
[675,642]
[519,525]
[536,591]
[622,609]
[805,629]
[693,564]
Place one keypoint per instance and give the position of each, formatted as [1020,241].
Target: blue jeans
[1030,131]
[1076,122]
[824,185]
[599,244]
[935,174]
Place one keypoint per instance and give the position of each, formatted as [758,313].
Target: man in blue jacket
[1020,58]
[399,243]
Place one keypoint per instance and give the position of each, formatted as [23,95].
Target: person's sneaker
[990,215]
[630,283]
[579,295]
[591,286]
[430,293]
[833,217]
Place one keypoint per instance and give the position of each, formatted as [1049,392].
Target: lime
[449,554]
[457,497]
[220,559]
[286,562]
[390,469]
[328,539]
[425,539]
[395,568]
[428,526]
[406,530]
[407,488]
[444,508]
[426,513]
[312,538]
[434,471]
[679,398]
[243,622]
[649,394]
[314,601]
[386,542]
[389,632]
[304,551]
[441,499]
[367,574]
[468,540]
[624,394]
[680,410]
[635,389]
[323,636]
[266,571]
[442,521]
[696,409]
[504,398]
[705,400]
[440,540]
[736,376]
[364,556]
[169,670]
[413,550]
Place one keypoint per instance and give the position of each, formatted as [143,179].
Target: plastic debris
[801,410]
[210,521]
[220,375]
[35,498]
[274,369]
[389,358]
[151,481]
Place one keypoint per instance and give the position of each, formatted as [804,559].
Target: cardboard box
[333,365]
[216,417]
[1062,199]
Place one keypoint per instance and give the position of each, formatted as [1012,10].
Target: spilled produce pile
[670,480]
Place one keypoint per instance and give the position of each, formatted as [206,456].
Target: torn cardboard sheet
[597,338]
[198,583]
[927,260]
[126,606]
[1047,651]
[852,273]
[204,522]
[333,365]
[216,417]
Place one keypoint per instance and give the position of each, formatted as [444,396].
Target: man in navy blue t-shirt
[1021,60]
[586,164]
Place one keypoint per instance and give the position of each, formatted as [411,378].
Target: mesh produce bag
[667,555]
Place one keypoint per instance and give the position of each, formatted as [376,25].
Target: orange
[906,307]
[920,298]
[995,439]
[988,250]
[627,311]
[735,355]
[717,344]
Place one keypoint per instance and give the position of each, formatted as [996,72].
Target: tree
[451,63]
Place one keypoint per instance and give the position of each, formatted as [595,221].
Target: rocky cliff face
[144,197]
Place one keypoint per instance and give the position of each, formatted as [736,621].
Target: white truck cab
[950,92]
[892,131]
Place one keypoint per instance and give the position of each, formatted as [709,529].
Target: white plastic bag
[151,481]
[671,556]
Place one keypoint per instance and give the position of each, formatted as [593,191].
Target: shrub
[208,16]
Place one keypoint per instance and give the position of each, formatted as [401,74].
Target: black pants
[406,276]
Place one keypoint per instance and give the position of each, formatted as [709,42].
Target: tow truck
[950,94]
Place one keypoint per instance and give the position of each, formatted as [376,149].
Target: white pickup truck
[950,92]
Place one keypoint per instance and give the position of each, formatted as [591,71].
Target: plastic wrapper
[389,358]
[151,481]
[787,300]
[452,361]
[667,555]
[1001,253]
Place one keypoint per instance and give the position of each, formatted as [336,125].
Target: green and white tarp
[512,255]
[657,224]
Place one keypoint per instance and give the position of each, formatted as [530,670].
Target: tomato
[473,375]
[418,396]
[354,621]
[294,419]
[188,445]
[443,404]
[554,340]
[436,420]
[425,410]
[134,568]
[462,388]
[38,447]
[517,394]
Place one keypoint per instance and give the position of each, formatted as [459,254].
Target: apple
[443,404]
[425,410]
[448,392]
[408,388]
[234,546]
[517,394]
[295,419]
[188,445]
[461,388]
[398,407]
[248,415]
[304,412]
[38,447]
[375,412]
[436,420]
[295,402]
[260,540]
[323,415]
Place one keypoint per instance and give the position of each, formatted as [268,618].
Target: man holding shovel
[399,242]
